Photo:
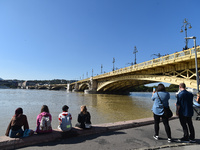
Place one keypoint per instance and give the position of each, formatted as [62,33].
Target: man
[184,109]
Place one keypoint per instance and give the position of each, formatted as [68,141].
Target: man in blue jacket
[184,110]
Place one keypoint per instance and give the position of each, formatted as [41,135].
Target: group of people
[184,110]
[43,122]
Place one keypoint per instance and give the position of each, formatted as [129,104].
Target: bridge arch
[84,86]
[126,82]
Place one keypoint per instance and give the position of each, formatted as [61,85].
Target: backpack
[45,123]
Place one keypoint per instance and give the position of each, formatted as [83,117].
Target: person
[18,121]
[158,111]
[64,119]
[44,121]
[184,110]
[84,118]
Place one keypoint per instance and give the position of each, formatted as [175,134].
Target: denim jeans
[16,134]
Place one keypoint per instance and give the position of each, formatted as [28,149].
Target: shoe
[155,137]
[192,141]
[183,140]
[169,140]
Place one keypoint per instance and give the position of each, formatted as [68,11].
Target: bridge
[174,69]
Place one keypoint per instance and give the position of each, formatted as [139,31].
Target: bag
[167,112]
[45,123]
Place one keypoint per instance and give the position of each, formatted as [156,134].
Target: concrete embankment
[13,143]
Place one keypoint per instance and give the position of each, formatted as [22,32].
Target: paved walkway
[136,134]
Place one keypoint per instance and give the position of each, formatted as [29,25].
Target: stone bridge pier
[92,87]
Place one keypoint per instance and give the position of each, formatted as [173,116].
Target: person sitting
[196,102]
[84,118]
[18,121]
[44,121]
[64,119]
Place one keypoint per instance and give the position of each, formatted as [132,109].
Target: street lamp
[113,63]
[196,64]
[134,52]
[185,24]
[101,68]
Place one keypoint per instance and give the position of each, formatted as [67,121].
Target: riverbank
[102,129]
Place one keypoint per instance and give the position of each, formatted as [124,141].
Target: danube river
[103,108]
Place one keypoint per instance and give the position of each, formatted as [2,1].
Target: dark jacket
[16,123]
[185,101]
[84,119]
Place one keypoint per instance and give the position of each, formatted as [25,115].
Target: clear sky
[66,39]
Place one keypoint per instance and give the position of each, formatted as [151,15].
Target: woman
[44,120]
[158,110]
[84,118]
[18,121]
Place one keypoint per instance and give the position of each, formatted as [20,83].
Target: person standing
[184,110]
[64,119]
[158,110]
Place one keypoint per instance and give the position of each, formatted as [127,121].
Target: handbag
[167,111]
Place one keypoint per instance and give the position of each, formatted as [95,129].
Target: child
[64,119]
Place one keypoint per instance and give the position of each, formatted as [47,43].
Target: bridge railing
[150,63]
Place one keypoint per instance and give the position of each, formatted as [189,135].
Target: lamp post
[113,64]
[185,24]
[101,68]
[196,63]
[134,52]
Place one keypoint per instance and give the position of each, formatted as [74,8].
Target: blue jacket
[157,106]
[185,101]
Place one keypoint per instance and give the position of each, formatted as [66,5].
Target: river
[102,107]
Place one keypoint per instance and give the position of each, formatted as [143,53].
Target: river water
[102,107]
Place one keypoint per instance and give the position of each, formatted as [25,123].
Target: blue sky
[66,39]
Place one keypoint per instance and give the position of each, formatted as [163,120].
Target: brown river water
[102,107]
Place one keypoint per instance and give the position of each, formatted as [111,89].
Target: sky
[67,39]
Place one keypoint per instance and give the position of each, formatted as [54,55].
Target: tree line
[143,88]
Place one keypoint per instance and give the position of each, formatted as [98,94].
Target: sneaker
[183,140]
[192,141]
[155,137]
[169,140]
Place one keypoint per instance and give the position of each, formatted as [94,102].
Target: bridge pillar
[75,88]
[93,87]
[69,88]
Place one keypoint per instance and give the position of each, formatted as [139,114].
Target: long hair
[161,87]
[83,109]
[44,109]
[18,112]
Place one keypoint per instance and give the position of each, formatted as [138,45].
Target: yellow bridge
[174,69]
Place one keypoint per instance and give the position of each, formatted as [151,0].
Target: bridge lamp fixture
[185,24]
[196,64]
[134,52]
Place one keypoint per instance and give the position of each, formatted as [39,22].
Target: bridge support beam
[69,88]
[93,87]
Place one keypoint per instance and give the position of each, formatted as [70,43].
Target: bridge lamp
[134,52]
[185,24]
[196,64]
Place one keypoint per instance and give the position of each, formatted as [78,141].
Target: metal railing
[154,62]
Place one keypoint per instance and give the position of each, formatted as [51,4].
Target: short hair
[45,109]
[65,108]
[182,85]
[161,87]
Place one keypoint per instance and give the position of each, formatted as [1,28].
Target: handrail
[158,61]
